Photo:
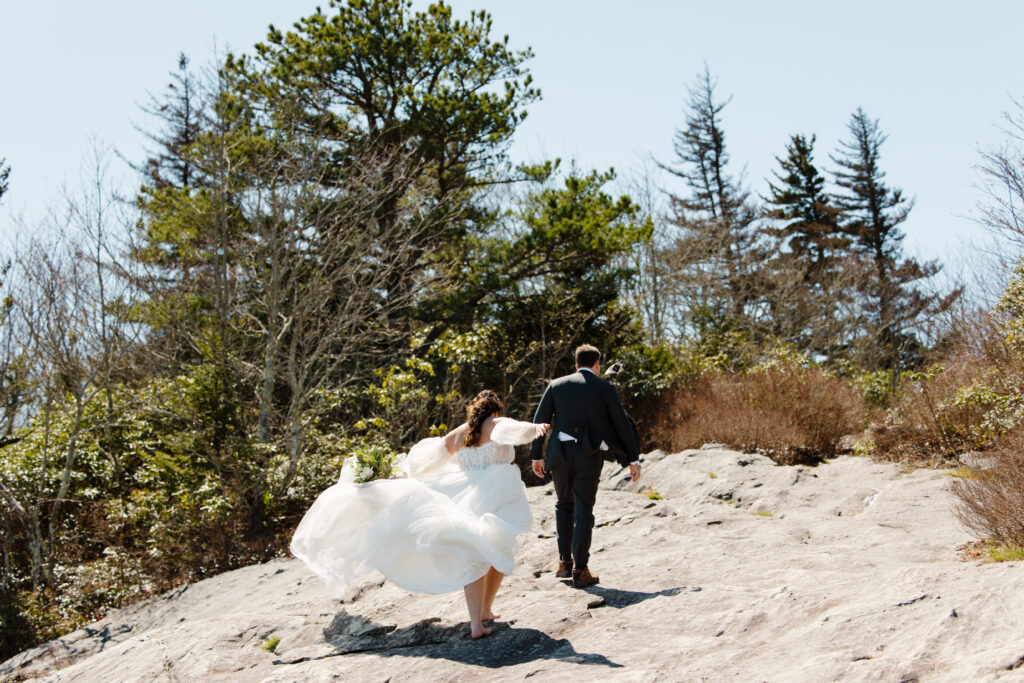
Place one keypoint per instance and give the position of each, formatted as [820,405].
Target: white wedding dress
[433,532]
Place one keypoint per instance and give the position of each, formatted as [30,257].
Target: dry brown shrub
[990,500]
[920,424]
[792,414]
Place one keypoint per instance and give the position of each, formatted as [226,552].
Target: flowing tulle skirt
[429,535]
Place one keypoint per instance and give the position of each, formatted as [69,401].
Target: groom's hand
[634,471]
[538,468]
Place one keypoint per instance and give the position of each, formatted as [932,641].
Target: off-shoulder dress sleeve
[513,432]
[427,456]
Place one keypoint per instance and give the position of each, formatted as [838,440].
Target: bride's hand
[540,430]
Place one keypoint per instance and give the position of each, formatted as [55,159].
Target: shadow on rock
[616,597]
[507,646]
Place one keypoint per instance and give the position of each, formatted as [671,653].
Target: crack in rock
[911,602]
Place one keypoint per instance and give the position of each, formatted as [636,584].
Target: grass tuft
[270,644]
[1005,553]
[960,472]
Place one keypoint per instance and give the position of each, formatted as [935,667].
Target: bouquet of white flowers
[369,462]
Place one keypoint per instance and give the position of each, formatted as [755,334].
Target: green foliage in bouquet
[373,460]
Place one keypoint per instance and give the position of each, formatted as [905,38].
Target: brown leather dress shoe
[584,578]
[564,570]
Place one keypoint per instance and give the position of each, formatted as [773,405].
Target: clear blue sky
[938,74]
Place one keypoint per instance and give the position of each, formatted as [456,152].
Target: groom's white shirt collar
[587,370]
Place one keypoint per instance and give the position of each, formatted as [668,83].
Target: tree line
[817,263]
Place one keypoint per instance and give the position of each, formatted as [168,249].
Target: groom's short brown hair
[587,356]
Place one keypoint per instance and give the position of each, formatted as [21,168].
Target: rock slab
[716,566]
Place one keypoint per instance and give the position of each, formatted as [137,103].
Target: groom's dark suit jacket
[587,408]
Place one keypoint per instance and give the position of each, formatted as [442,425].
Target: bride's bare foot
[480,631]
[489,616]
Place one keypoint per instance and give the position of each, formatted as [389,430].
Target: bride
[451,523]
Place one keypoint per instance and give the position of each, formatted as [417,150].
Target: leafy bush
[26,619]
[647,372]
[919,423]
[160,492]
[88,590]
[401,405]
[172,485]
[876,386]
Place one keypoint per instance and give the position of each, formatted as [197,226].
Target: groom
[588,418]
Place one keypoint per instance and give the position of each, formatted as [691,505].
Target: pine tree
[807,270]
[717,285]
[190,235]
[436,99]
[179,114]
[873,212]
[810,225]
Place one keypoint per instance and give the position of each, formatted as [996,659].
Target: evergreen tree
[551,285]
[807,271]
[172,236]
[178,114]
[376,73]
[190,222]
[809,221]
[435,99]
[717,249]
[893,301]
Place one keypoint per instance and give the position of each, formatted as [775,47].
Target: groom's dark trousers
[575,483]
[586,408]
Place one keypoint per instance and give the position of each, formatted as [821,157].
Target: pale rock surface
[744,571]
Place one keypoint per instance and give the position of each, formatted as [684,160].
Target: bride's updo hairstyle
[485,404]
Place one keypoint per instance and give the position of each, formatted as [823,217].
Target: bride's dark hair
[483,405]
